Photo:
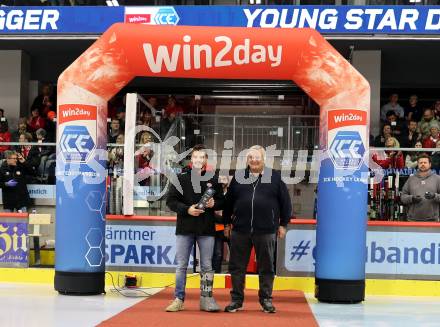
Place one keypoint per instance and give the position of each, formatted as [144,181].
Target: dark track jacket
[258,207]
[186,224]
[17,196]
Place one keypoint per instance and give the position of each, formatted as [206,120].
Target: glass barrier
[390,168]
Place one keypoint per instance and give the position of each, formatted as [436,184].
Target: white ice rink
[39,305]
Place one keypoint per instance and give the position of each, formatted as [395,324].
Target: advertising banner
[325,19]
[140,247]
[342,224]
[58,20]
[397,253]
[14,249]
[80,192]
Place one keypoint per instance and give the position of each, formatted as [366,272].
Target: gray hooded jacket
[426,210]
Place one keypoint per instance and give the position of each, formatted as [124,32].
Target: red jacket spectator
[144,157]
[36,121]
[430,141]
[172,107]
[392,160]
[5,137]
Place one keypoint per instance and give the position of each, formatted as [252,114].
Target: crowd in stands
[409,126]
[38,127]
[159,114]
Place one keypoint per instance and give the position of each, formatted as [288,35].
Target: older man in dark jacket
[257,208]
[194,224]
[13,182]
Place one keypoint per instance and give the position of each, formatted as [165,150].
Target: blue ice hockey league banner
[326,19]
[390,254]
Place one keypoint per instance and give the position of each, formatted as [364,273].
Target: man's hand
[11,183]
[20,158]
[416,199]
[193,211]
[429,195]
[281,232]
[210,203]
[227,231]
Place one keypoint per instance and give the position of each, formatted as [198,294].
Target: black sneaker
[233,307]
[267,306]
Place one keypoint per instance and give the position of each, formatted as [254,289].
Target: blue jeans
[184,245]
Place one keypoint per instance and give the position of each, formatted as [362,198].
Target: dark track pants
[240,249]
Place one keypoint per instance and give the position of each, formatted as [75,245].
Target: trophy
[209,193]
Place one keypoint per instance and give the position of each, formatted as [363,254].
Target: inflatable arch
[125,51]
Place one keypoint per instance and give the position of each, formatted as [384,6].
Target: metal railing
[46,168]
[287,132]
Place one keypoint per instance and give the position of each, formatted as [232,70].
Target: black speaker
[339,291]
[79,283]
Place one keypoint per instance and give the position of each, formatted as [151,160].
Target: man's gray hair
[41,132]
[9,153]
[258,148]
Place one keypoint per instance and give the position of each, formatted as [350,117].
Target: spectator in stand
[396,126]
[394,106]
[5,136]
[393,159]
[435,158]
[36,121]
[430,141]
[41,138]
[172,107]
[113,105]
[145,138]
[21,129]
[421,193]
[436,110]
[411,157]
[51,126]
[28,152]
[13,182]
[115,130]
[116,157]
[45,101]
[152,105]
[143,158]
[166,123]
[425,123]
[387,132]
[193,120]
[151,111]
[410,136]
[120,115]
[145,118]
[413,111]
